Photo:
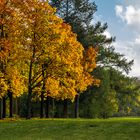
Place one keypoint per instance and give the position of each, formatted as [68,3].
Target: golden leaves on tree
[31,33]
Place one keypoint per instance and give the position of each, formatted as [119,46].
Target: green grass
[71,129]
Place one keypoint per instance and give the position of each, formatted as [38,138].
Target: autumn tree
[92,34]
[34,37]
[54,55]
[11,78]
[70,74]
[38,22]
[3,90]
[78,14]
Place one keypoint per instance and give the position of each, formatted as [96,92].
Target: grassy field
[71,129]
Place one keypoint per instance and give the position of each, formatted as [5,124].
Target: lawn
[70,129]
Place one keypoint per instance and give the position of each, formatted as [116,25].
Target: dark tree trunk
[4,108]
[48,107]
[17,106]
[42,93]
[76,108]
[65,109]
[42,106]
[11,104]
[30,89]
[53,108]
[30,83]
[2,69]
[29,103]
[0,108]
[29,92]
[18,103]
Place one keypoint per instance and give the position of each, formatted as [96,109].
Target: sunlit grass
[70,129]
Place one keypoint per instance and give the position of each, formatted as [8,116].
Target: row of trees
[117,93]
[43,61]
[40,54]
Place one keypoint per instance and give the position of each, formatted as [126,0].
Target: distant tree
[89,64]
[101,101]
[128,92]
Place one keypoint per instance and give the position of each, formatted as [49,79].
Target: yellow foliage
[3,86]
[9,49]
[15,82]
[37,35]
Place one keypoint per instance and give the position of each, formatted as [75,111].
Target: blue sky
[123,19]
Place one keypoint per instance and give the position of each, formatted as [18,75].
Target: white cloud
[137,40]
[131,51]
[135,3]
[119,10]
[132,15]
[129,14]
[107,34]
[135,69]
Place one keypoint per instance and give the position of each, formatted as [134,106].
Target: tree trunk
[53,107]
[2,68]
[42,93]
[29,103]
[4,108]
[48,107]
[17,106]
[11,104]
[30,87]
[29,93]
[30,82]
[65,109]
[0,108]
[76,109]
[42,105]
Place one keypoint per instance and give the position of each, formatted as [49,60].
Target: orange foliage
[37,36]
[9,41]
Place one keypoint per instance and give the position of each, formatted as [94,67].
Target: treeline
[40,56]
[51,60]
